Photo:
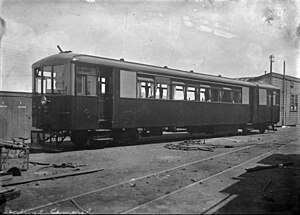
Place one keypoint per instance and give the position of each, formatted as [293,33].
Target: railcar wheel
[79,138]
[128,136]
[262,130]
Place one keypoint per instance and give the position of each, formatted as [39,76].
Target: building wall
[291,87]
[15,115]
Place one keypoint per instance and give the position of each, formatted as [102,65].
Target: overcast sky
[232,38]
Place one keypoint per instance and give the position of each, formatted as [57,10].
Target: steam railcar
[82,95]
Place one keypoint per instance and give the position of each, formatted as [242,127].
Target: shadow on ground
[267,191]
[67,146]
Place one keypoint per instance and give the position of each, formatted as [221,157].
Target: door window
[86,81]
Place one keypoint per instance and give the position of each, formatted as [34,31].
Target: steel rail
[202,180]
[148,175]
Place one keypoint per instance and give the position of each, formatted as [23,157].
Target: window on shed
[237,96]
[178,92]
[294,102]
[145,87]
[191,93]
[205,94]
[161,91]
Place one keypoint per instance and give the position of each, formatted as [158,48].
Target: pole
[271,61]
[283,95]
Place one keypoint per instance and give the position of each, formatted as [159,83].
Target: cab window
[49,80]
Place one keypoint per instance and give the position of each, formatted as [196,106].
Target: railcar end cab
[70,97]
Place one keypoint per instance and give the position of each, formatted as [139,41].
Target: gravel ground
[189,181]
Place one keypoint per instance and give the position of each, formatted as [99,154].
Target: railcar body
[79,95]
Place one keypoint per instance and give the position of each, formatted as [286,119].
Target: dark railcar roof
[73,57]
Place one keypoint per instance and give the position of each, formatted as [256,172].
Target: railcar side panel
[264,114]
[158,113]
[86,113]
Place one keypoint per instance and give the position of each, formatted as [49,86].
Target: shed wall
[15,115]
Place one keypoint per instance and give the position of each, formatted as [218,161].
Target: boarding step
[100,139]
[103,130]
[102,123]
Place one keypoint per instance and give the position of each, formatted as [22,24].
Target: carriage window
[269,97]
[161,91]
[191,93]
[178,92]
[215,95]
[86,81]
[237,96]
[205,94]
[227,95]
[276,99]
[145,87]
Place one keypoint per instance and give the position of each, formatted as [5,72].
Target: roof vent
[122,59]
[192,71]
[166,67]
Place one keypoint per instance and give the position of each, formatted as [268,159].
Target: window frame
[148,81]
[294,103]
[85,74]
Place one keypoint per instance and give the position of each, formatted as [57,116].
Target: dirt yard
[155,178]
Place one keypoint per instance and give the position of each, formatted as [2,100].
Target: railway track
[130,196]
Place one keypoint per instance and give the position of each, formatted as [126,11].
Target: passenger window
[145,89]
[276,100]
[237,96]
[227,95]
[205,94]
[215,95]
[161,91]
[191,93]
[178,92]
